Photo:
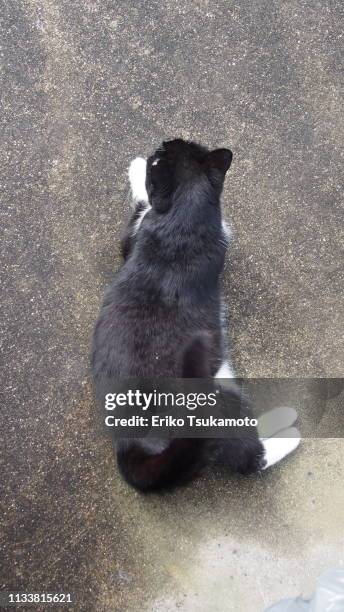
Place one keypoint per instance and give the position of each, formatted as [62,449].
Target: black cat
[162,315]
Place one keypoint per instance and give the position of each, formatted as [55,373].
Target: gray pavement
[85,87]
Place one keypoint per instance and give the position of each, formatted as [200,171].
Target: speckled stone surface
[86,86]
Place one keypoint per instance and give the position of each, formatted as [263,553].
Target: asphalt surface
[85,87]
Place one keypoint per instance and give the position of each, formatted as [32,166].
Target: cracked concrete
[85,87]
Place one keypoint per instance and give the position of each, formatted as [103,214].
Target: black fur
[162,301]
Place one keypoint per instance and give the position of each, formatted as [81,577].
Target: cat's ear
[217,163]
[220,160]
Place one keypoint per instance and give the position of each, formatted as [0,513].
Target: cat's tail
[146,467]
[153,464]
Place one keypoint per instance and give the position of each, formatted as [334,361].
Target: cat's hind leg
[253,454]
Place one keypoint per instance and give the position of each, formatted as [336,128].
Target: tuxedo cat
[162,315]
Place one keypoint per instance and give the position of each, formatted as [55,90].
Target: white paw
[276,448]
[270,423]
[137,178]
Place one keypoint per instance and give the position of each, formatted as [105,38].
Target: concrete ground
[86,86]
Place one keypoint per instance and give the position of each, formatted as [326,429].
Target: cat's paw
[270,423]
[137,179]
[279,446]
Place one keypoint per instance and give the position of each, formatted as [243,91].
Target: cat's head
[179,165]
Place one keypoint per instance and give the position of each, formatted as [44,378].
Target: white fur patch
[140,219]
[225,371]
[137,178]
[226,230]
[277,448]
